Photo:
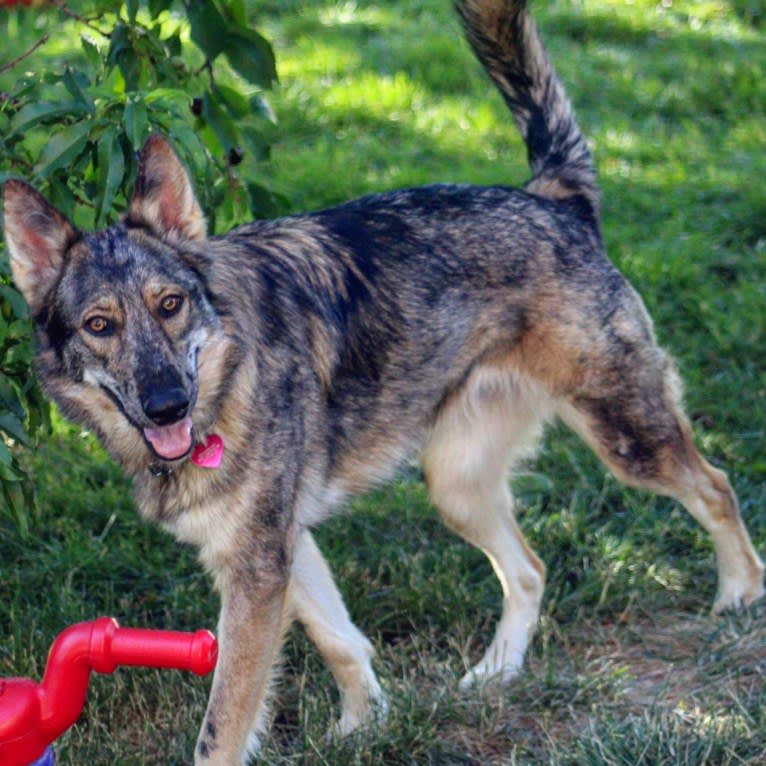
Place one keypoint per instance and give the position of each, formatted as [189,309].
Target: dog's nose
[166,407]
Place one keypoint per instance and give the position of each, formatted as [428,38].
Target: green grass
[626,667]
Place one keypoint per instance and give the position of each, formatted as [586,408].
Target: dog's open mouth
[171,442]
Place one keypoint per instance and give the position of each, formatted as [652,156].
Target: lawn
[626,667]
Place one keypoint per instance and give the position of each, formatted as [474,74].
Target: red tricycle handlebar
[32,715]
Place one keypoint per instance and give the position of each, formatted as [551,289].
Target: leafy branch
[75,134]
[67,11]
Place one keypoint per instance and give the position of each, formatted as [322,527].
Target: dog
[251,382]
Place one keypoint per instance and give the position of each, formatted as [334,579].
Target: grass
[626,667]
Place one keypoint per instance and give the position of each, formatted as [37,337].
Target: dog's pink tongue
[171,442]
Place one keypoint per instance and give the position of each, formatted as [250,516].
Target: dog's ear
[38,237]
[163,198]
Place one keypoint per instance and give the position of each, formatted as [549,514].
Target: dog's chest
[196,505]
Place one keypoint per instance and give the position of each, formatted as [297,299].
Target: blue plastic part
[46,759]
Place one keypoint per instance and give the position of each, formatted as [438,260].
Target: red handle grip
[32,716]
[111,646]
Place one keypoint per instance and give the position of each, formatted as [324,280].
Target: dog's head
[122,314]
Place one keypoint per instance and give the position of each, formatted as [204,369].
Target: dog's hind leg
[315,601]
[637,427]
[475,440]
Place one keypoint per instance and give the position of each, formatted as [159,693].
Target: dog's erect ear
[163,199]
[38,238]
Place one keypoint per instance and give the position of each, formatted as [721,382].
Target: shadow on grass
[710,69]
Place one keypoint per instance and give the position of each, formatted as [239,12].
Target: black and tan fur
[446,321]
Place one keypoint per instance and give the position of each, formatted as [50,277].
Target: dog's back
[396,296]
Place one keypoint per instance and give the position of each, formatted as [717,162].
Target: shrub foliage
[195,71]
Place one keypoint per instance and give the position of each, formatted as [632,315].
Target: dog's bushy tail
[506,42]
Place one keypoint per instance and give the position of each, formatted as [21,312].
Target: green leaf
[17,303]
[17,359]
[156,7]
[111,170]
[192,144]
[14,428]
[171,94]
[61,197]
[39,417]
[252,56]
[9,398]
[17,330]
[5,454]
[224,128]
[236,102]
[119,43]
[174,44]
[24,86]
[63,148]
[43,111]
[77,83]
[261,107]
[210,31]
[14,500]
[136,121]
[123,55]
[236,11]
[92,53]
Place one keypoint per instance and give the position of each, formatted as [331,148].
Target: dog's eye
[99,325]
[170,305]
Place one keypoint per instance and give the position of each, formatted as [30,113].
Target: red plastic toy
[32,715]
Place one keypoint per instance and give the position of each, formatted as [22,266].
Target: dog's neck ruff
[207,455]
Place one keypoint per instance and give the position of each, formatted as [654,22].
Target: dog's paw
[736,594]
[489,673]
[355,719]
[502,661]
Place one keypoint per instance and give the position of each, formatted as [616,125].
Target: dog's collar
[159,469]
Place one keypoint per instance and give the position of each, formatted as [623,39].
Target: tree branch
[67,11]
[19,59]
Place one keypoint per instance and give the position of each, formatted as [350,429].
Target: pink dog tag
[209,454]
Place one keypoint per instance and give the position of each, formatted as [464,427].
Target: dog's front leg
[249,635]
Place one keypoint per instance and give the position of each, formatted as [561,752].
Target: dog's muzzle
[171,438]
